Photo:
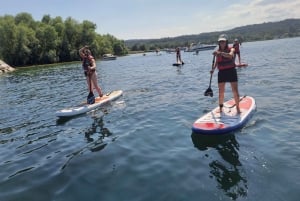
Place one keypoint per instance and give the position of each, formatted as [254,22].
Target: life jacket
[236,48]
[87,61]
[225,63]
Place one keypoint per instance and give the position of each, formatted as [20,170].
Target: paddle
[91,96]
[209,91]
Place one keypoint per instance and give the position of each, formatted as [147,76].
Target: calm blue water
[141,147]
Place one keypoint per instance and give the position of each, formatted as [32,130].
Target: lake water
[141,147]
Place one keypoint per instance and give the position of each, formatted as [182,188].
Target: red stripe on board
[209,126]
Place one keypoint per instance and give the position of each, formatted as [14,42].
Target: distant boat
[200,47]
[109,57]
[168,50]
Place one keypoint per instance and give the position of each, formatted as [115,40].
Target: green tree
[8,34]
[47,37]
[119,48]
[88,33]
[71,38]
[26,19]
[143,47]
[24,41]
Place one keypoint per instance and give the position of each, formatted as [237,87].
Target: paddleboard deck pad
[84,107]
[228,120]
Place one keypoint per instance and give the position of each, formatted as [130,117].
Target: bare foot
[219,111]
[220,108]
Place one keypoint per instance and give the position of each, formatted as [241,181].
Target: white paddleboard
[84,107]
[228,120]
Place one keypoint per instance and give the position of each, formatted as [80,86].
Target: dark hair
[87,52]
[226,46]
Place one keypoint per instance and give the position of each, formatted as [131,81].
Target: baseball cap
[223,37]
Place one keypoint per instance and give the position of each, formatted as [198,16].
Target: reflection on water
[178,70]
[97,134]
[227,172]
[41,159]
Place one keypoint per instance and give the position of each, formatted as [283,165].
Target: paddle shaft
[90,81]
[210,81]
[212,67]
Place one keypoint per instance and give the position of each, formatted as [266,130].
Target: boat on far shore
[200,47]
[108,57]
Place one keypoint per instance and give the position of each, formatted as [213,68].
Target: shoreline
[5,68]
[47,65]
[38,65]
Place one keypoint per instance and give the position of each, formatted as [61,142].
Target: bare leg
[95,84]
[235,91]
[88,83]
[221,94]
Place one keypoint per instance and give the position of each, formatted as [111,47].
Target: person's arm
[93,65]
[228,55]
[81,51]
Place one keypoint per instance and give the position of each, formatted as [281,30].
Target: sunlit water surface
[141,147]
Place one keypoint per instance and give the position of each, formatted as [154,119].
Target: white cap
[223,37]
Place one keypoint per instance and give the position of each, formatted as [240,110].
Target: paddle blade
[209,92]
[90,98]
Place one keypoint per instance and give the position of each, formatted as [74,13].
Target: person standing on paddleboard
[178,56]
[89,68]
[236,46]
[227,72]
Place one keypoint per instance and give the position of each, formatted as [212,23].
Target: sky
[153,19]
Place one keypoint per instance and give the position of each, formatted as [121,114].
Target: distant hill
[265,31]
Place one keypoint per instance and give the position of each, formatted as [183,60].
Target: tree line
[24,41]
[255,32]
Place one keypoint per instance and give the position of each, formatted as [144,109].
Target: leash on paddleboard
[108,93]
[209,91]
[235,103]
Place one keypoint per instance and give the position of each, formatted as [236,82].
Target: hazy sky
[145,19]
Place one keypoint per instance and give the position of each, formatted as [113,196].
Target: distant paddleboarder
[236,46]
[178,56]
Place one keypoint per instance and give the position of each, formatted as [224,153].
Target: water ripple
[140,147]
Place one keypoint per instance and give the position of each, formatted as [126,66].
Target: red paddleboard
[228,120]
